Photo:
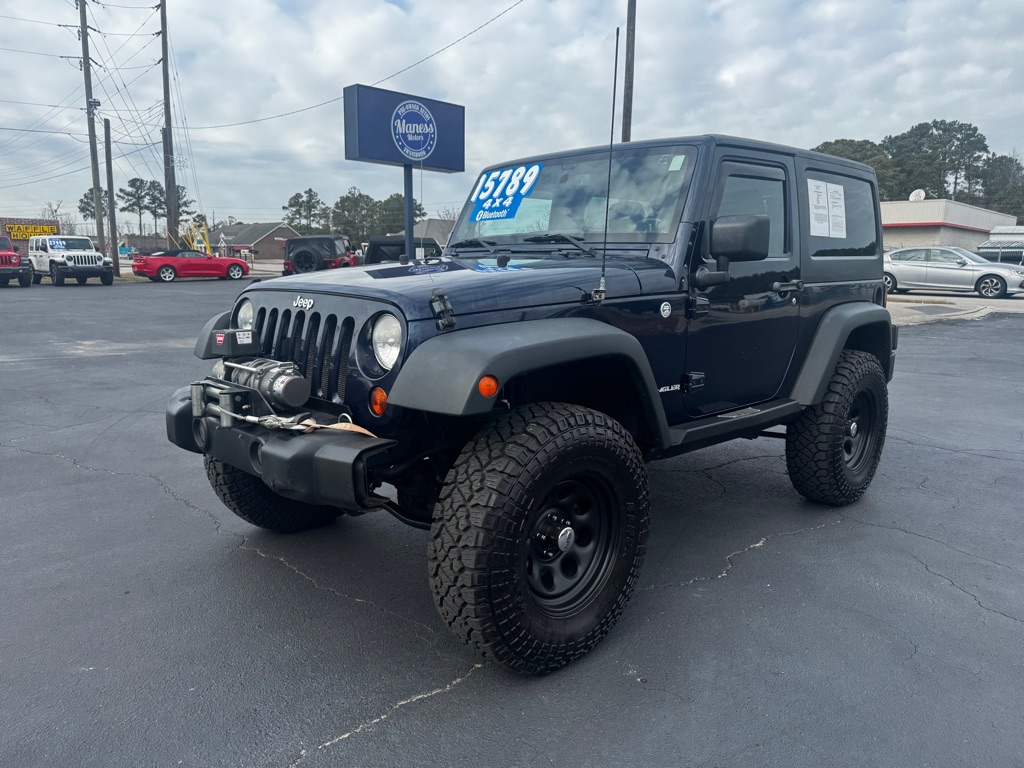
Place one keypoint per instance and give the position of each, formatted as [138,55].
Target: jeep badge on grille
[302,303]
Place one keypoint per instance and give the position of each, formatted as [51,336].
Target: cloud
[536,80]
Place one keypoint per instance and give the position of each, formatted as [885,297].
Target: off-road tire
[991,287]
[25,281]
[4,282]
[485,565]
[37,277]
[56,276]
[253,501]
[107,278]
[81,280]
[826,463]
[306,261]
[166,274]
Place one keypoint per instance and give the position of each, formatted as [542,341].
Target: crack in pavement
[243,542]
[737,553]
[967,592]
[960,451]
[859,521]
[706,471]
[432,644]
[304,753]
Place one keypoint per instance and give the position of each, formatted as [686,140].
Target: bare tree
[67,222]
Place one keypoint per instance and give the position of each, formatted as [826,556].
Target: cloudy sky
[536,79]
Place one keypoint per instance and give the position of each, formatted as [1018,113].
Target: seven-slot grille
[318,344]
[6,260]
[85,259]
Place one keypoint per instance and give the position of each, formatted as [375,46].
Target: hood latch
[442,309]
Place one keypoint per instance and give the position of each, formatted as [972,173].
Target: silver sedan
[950,269]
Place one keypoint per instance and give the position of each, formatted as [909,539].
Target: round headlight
[68,258]
[387,340]
[245,315]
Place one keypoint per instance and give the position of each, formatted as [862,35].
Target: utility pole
[91,104]
[170,183]
[114,251]
[627,89]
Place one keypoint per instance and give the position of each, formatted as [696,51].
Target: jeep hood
[471,285]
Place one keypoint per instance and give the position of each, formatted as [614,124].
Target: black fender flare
[836,328]
[204,344]
[441,374]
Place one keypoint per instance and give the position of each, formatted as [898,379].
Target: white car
[950,269]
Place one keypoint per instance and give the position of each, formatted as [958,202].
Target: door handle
[796,285]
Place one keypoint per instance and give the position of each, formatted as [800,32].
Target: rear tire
[539,535]
[166,274]
[833,449]
[253,501]
[82,280]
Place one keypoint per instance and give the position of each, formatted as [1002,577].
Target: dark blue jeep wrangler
[593,310]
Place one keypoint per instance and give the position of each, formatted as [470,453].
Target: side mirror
[734,238]
[961,262]
[17,249]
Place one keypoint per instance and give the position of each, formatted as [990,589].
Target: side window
[917,254]
[842,216]
[944,257]
[746,195]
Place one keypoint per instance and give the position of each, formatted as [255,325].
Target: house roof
[439,229]
[1007,231]
[241,235]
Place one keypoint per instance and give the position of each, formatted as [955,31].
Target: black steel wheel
[833,449]
[539,535]
[56,276]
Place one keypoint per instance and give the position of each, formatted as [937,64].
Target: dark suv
[318,252]
[575,329]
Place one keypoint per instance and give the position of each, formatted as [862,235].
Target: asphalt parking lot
[144,625]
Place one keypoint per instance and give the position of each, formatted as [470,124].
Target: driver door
[739,352]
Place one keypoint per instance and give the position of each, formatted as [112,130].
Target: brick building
[20,229]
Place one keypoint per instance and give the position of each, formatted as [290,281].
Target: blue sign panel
[400,129]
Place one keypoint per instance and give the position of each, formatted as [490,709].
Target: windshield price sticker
[499,193]
[58,245]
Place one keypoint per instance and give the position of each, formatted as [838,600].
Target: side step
[744,422]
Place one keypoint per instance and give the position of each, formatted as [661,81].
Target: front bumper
[73,270]
[324,467]
[19,271]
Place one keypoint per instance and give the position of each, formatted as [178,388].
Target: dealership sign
[401,129]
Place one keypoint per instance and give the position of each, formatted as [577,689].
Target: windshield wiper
[489,245]
[558,237]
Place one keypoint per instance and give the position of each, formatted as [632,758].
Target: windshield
[568,195]
[5,244]
[70,244]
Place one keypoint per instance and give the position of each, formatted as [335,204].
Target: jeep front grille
[5,260]
[318,344]
[85,259]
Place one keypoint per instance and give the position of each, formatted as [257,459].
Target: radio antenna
[598,295]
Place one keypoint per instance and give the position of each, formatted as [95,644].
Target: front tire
[833,449]
[889,280]
[235,272]
[107,278]
[166,274]
[25,281]
[539,535]
[253,501]
[991,287]
[56,276]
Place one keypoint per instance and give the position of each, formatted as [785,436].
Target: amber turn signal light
[488,386]
[378,401]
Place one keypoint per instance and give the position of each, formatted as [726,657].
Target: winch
[282,384]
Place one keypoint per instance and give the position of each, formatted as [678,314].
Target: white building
[1004,244]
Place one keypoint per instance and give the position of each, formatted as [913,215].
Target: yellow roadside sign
[23,231]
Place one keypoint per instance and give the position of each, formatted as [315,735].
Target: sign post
[400,129]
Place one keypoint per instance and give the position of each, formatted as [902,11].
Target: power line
[383,80]
[39,130]
[36,21]
[40,53]
[68,173]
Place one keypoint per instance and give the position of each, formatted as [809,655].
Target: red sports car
[167,266]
